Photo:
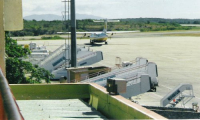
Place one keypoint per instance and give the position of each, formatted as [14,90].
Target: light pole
[73,35]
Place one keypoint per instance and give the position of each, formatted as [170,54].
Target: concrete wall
[114,107]
[50,91]
[10,20]
[118,107]
[2,38]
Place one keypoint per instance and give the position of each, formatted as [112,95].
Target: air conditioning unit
[116,86]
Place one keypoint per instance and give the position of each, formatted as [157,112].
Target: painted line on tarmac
[165,87]
[157,95]
[175,59]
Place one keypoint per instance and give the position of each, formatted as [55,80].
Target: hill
[51,17]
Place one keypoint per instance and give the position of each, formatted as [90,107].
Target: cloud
[41,7]
[38,8]
[119,8]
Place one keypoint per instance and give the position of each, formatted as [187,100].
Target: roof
[57,109]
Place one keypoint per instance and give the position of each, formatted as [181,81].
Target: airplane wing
[106,20]
[63,32]
[85,34]
[117,32]
[97,32]
[88,34]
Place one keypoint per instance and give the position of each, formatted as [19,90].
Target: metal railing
[113,71]
[9,104]
[54,54]
[129,68]
[105,73]
[95,74]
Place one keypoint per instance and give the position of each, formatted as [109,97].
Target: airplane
[97,37]
[102,36]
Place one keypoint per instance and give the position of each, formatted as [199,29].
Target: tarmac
[177,59]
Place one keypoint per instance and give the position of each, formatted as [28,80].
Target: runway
[177,59]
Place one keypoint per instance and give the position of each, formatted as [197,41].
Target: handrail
[91,75]
[10,107]
[56,52]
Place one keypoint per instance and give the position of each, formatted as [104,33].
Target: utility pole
[73,35]
[2,38]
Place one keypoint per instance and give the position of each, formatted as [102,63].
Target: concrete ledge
[50,91]
[118,107]
[113,107]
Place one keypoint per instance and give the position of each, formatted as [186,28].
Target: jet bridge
[60,59]
[177,95]
[88,59]
[132,73]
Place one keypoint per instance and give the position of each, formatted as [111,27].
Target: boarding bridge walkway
[59,60]
[121,73]
[141,66]
[88,59]
[141,63]
[136,75]
[58,53]
[62,57]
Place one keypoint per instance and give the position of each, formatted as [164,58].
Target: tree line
[35,28]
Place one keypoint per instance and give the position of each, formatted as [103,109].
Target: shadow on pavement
[93,45]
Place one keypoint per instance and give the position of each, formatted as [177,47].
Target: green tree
[18,71]
[196,22]
[15,70]
[37,74]
[14,50]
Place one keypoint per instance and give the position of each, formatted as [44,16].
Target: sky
[119,8]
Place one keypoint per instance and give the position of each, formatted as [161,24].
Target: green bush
[51,37]
[16,69]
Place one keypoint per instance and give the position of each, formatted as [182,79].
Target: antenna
[73,61]
[66,24]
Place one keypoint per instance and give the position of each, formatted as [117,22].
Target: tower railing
[8,107]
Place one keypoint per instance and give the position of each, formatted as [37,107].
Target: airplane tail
[105,25]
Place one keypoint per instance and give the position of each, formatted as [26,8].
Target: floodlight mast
[65,24]
[73,35]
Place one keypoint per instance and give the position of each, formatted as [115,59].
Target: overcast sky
[119,8]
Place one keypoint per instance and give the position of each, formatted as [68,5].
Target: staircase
[178,95]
